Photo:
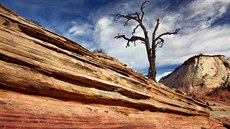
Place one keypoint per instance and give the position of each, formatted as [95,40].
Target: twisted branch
[168,33]
[132,39]
[133,16]
[134,30]
[142,9]
[160,43]
[156,27]
[155,41]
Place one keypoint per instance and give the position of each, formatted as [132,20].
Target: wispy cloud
[159,76]
[80,29]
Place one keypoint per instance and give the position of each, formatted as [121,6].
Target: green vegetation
[217,89]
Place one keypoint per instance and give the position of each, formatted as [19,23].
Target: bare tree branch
[160,43]
[142,9]
[142,42]
[154,34]
[156,27]
[132,39]
[134,30]
[167,33]
[124,37]
[121,36]
[126,23]
[133,16]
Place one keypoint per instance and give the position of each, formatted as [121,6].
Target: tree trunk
[152,67]
[152,61]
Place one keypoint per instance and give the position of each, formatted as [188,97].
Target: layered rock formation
[200,74]
[48,81]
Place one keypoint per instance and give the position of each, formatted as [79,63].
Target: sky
[204,27]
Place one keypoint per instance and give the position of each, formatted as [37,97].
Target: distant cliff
[200,75]
[49,81]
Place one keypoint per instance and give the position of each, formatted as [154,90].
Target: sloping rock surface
[200,74]
[48,81]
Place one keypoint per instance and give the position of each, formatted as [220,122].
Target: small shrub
[99,50]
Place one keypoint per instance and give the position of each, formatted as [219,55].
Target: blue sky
[205,27]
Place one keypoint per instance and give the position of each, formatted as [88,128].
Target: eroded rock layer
[48,81]
[30,111]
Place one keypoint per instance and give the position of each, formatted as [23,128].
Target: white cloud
[159,76]
[82,33]
[80,29]
[208,41]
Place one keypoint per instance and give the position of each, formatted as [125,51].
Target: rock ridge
[199,74]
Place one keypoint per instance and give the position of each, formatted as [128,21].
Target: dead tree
[157,41]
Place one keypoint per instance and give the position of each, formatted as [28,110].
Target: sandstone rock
[48,81]
[200,74]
